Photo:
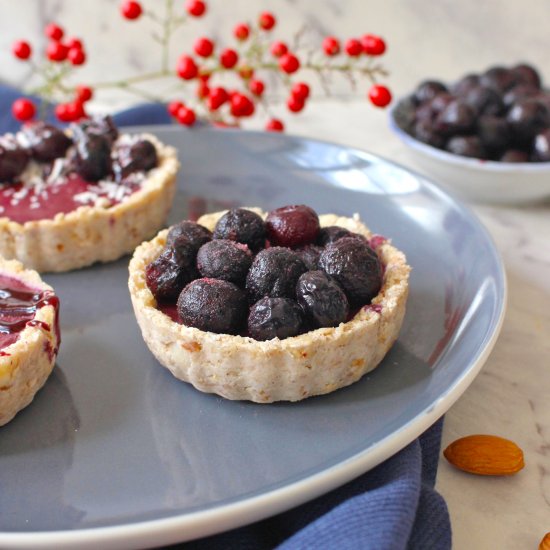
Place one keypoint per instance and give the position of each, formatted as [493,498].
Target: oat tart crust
[241,368]
[96,233]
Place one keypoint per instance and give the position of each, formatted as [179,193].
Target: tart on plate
[71,198]
[29,336]
[271,307]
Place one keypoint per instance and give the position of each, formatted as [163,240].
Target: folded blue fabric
[392,507]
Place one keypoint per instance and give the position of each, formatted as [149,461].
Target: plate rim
[192,525]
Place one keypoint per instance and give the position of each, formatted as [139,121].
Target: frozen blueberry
[322,298]
[139,157]
[45,142]
[355,266]
[309,254]
[213,305]
[92,157]
[292,226]
[274,272]
[197,234]
[224,259]
[13,160]
[243,226]
[275,318]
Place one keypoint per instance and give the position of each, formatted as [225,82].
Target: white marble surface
[426,38]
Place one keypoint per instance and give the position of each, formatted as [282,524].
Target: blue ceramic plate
[115,452]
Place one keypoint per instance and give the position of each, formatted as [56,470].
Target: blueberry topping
[213,305]
[197,234]
[13,160]
[92,158]
[322,298]
[355,266]
[309,254]
[45,142]
[224,259]
[292,226]
[139,157]
[274,272]
[275,318]
[243,226]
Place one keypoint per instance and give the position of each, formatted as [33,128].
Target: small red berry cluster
[209,67]
[62,55]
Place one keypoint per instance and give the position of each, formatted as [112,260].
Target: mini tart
[314,363]
[96,233]
[26,363]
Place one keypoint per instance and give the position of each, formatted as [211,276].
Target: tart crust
[314,363]
[92,234]
[26,364]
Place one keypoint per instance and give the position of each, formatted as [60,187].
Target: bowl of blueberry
[485,137]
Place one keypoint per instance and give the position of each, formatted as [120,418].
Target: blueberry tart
[269,307]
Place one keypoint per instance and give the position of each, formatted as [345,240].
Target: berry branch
[229,83]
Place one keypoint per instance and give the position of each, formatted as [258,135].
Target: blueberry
[456,118]
[139,157]
[428,89]
[355,266]
[197,234]
[292,225]
[424,132]
[484,101]
[213,305]
[275,318]
[541,146]
[465,84]
[45,142]
[519,92]
[527,118]
[494,133]
[526,74]
[498,78]
[13,160]
[224,259]
[514,155]
[243,226]
[322,298]
[309,254]
[466,146]
[274,272]
[92,157]
[332,233]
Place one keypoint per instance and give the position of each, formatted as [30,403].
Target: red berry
[62,112]
[76,56]
[204,47]
[218,96]
[76,110]
[74,43]
[23,109]
[379,95]
[84,93]
[131,10]
[300,90]
[257,87]
[186,116]
[55,51]
[202,89]
[331,46]
[278,49]
[53,31]
[187,68]
[21,49]
[241,105]
[353,47]
[289,63]
[229,58]
[173,107]
[241,31]
[373,45]
[295,104]
[196,8]
[266,21]
[274,125]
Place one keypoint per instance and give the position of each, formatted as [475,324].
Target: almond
[545,542]
[487,455]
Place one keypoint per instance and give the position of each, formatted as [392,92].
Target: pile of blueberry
[502,114]
[93,154]
[277,278]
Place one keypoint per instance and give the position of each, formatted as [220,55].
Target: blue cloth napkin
[392,507]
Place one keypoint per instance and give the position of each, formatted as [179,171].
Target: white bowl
[474,179]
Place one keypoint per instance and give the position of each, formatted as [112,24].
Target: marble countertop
[510,396]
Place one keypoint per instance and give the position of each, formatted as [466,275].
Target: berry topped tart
[71,198]
[29,336]
[269,307]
